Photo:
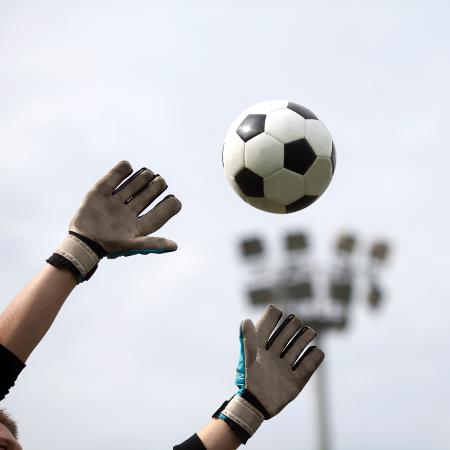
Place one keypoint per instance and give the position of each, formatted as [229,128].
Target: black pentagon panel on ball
[298,156]
[304,112]
[333,158]
[251,185]
[303,202]
[251,126]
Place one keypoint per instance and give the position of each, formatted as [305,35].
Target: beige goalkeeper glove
[109,223]
[271,371]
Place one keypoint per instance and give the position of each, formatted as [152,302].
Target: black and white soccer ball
[278,156]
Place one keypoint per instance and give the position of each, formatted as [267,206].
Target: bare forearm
[217,435]
[28,317]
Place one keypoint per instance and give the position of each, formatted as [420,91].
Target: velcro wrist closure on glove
[244,414]
[79,254]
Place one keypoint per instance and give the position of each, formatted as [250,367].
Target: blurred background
[143,353]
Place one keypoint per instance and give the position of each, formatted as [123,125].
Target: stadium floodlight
[252,247]
[346,243]
[261,296]
[341,291]
[322,323]
[375,296]
[316,323]
[380,251]
[341,323]
[295,242]
[300,290]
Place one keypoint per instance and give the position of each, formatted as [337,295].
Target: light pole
[321,295]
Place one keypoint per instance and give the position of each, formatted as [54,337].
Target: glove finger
[145,246]
[308,363]
[159,215]
[249,341]
[148,194]
[162,245]
[283,334]
[114,177]
[267,323]
[134,184]
[298,343]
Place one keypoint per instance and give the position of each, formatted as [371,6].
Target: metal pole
[322,412]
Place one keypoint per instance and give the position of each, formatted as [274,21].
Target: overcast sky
[143,353]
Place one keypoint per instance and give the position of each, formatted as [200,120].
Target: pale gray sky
[143,353]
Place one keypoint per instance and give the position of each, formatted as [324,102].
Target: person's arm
[29,316]
[217,435]
[273,368]
[109,223]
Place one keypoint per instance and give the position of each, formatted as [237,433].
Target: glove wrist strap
[77,256]
[243,418]
[244,414]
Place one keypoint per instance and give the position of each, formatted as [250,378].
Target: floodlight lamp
[380,251]
[375,296]
[295,242]
[321,323]
[341,291]
[252,247]
[300,290]
[346,243]
[341,322]
[260,296]
[314,323]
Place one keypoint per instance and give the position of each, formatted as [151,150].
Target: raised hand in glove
[109,224]
[271,372]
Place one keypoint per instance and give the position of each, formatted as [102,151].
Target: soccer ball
[278,156]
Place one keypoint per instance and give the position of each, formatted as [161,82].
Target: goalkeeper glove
[270,372]
[109,224]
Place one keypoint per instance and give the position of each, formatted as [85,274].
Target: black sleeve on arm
[193,443]
[10,368]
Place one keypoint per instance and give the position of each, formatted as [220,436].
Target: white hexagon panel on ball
[264,155]
[285,125]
